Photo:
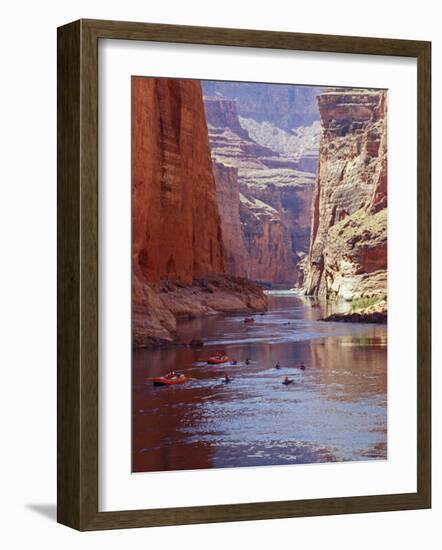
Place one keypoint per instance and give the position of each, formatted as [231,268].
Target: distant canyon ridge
[239,186]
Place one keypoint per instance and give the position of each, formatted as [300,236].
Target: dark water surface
[335,411]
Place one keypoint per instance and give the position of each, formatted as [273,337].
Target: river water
[336,409]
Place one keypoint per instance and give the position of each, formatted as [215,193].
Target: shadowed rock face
[300,145]
[348,247]
[176,228]
[177,248]
[231,143]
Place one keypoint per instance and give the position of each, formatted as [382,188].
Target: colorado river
[336,409]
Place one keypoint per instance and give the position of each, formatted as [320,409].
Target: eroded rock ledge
[157,307]
[376,313]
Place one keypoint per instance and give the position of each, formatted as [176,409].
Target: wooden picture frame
[78,274]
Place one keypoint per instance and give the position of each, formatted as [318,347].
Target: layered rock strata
[265,236]
[348,247]
[301,145]
[267,239]
[176,228]
[286,106]
[257,242]
[229,197]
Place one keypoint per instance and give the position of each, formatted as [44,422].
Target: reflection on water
[336,409]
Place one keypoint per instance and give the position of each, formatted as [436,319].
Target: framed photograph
[238,214]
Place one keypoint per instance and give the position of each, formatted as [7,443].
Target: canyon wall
[172,174]
[348,247]
[267,231]
[232,145]
[257,242]
[270,258]
[177,247]
[301,144]
[235,253]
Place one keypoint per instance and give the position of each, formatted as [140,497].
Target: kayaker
[226,379]
[277,366]
[247,361]
[287,381]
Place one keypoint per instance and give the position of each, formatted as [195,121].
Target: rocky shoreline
[158,307]
[376,313]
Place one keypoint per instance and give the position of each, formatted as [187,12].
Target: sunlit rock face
[348,247]
[264,233]
[300,145]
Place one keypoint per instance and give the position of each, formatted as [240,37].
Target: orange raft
[169,380]
[217,359]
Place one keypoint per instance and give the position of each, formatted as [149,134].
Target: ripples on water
[336,410]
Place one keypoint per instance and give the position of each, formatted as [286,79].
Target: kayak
[168,381]
[217,359]
[249,320]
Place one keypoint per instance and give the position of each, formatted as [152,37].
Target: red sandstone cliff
[270,257]
[175,220]
[176,232]
[348,248]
